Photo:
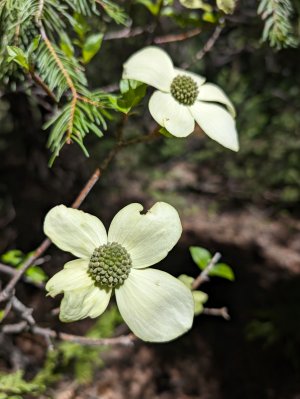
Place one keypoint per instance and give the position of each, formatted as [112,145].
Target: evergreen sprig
[75,121]
[55,67]
[56,63]
[278,28]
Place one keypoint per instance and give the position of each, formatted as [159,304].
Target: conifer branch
[278,29]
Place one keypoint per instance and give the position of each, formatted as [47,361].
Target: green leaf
[165,133]
[81,27]
[132,94]
[186,280]
[13,257]
[66,45]
[2,312]
[210,17]
[91,47]
[201,256]
[18,56]
[33,46]
[222,270]
[227,6]
[152,6]
[36,275]
[200,298]
[194,4]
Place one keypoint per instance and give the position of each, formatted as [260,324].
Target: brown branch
[6,310]
[207,46]
[222,312]
[7,269]
[48,333]
[6,292]
[210,43]
[203,276]
[86,189]
[122,144]
[177,37]
[126,340]
[127,33]
[12,272]
[43,85]
[124,33]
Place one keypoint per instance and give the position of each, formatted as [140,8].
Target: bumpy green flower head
[184,89]
[110,265]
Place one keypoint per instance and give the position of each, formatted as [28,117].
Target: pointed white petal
[148,238]
[156,306]
[211,92]
[217,123]
[72,277]
[197,78]
[74,231]
[167,112]
[82,303]
[152,66]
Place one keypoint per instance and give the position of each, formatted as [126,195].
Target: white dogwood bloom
[156,306]
[183,97]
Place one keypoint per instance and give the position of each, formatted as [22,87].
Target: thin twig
[203,276]
[210,43]
[126,340]
[179,37]
[124,33]
[6,292]
[122,144]
[12,272]
[222,312]
[24,311]
[17,328]
[42,84]
[86,189]
[127,33]
[6,310]
[14,328]
[206,48]
[7,270]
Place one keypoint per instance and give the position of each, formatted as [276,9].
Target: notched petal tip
[148,237]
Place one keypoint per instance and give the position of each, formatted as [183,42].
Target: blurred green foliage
[77,361]
[16,258]
[202,257]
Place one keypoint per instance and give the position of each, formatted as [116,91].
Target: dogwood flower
[156,306]
[183,97]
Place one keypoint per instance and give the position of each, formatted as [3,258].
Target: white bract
[156,306]
[183,97]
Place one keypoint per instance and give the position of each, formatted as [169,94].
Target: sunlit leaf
[201,256]
[91,47]
[222,270]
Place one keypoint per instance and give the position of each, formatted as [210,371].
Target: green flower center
[110,265]
[184,89]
